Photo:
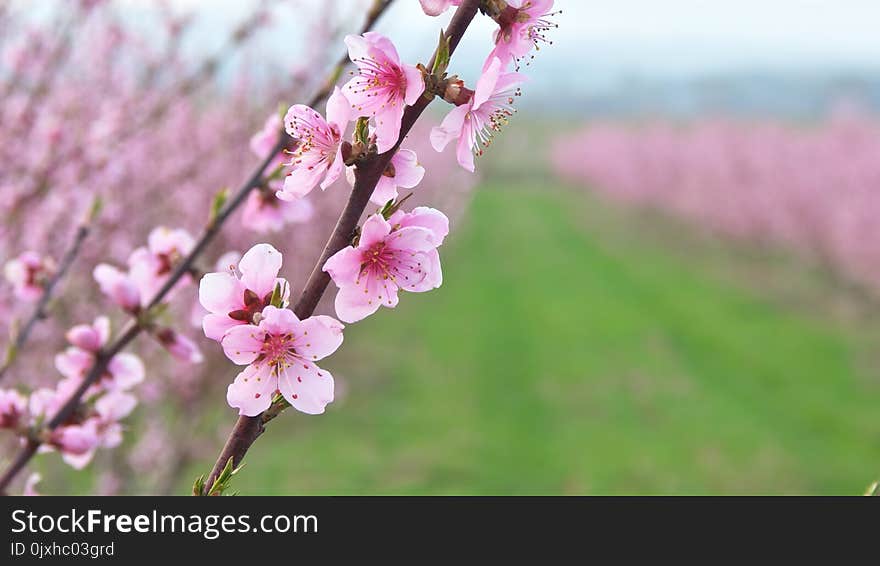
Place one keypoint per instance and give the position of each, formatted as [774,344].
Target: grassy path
[559,359]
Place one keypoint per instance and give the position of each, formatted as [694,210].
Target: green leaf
[199,486]
[386,210]
[277,299]
[95,209]
[441,60]
[223,480]
[362,131]
[218,203]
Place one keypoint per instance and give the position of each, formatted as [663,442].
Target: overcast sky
[664,36]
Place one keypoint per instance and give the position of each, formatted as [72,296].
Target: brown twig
[39,311]
[133,329]
[248,429]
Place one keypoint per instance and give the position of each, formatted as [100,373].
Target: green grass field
[561,356]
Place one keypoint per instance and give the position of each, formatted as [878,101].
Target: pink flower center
[383,79]
[317,140]
[381,262]
[278,350]
[491,117]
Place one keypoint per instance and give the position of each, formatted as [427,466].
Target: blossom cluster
[93,425]
[113,132]
[107,398]
[394,250]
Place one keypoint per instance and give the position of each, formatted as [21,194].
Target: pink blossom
[388,258]
[319,146]
[179,346]
[12,407]
[124,370]
[150,266]
[264,141]
[437,7]
[280,353]
[118,287]
[148,269]
[226,262]
[232,300]
[383,86]
[78,442]
[90,337]
[522,27]
[475,122]
[109,410]
[265,212]
[403,171]
[28,273]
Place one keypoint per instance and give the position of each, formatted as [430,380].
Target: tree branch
[133,329]
[39,312]
[248,429]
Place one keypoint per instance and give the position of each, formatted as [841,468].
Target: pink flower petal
[374,230]
[216,325]
[127,371]
[415,84]
[242,344]
[411,239]
[408,172]
[318,337]
[252,390]
[344,265]
[450,128]
[278,321]
[220,292]
[259,268]
[308,388]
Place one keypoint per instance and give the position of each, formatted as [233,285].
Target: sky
[669,37]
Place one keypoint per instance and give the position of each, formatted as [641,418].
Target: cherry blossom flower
[110,409]
[404,171]
[76,442]
[118,287]
[28,273]
[90,337]
[148,269]
[473,124]
[437,7]
[388,258]
[74,438]
[150,266]
[264,141]
[78,439]
[383,86]
[265,212]
[232,300]
[435,221]
[124,370]
[521,27]
[12,407]
[179,346]
[280,353]
[319,149]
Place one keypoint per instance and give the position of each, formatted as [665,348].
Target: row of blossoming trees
[96,165]
[813,188]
